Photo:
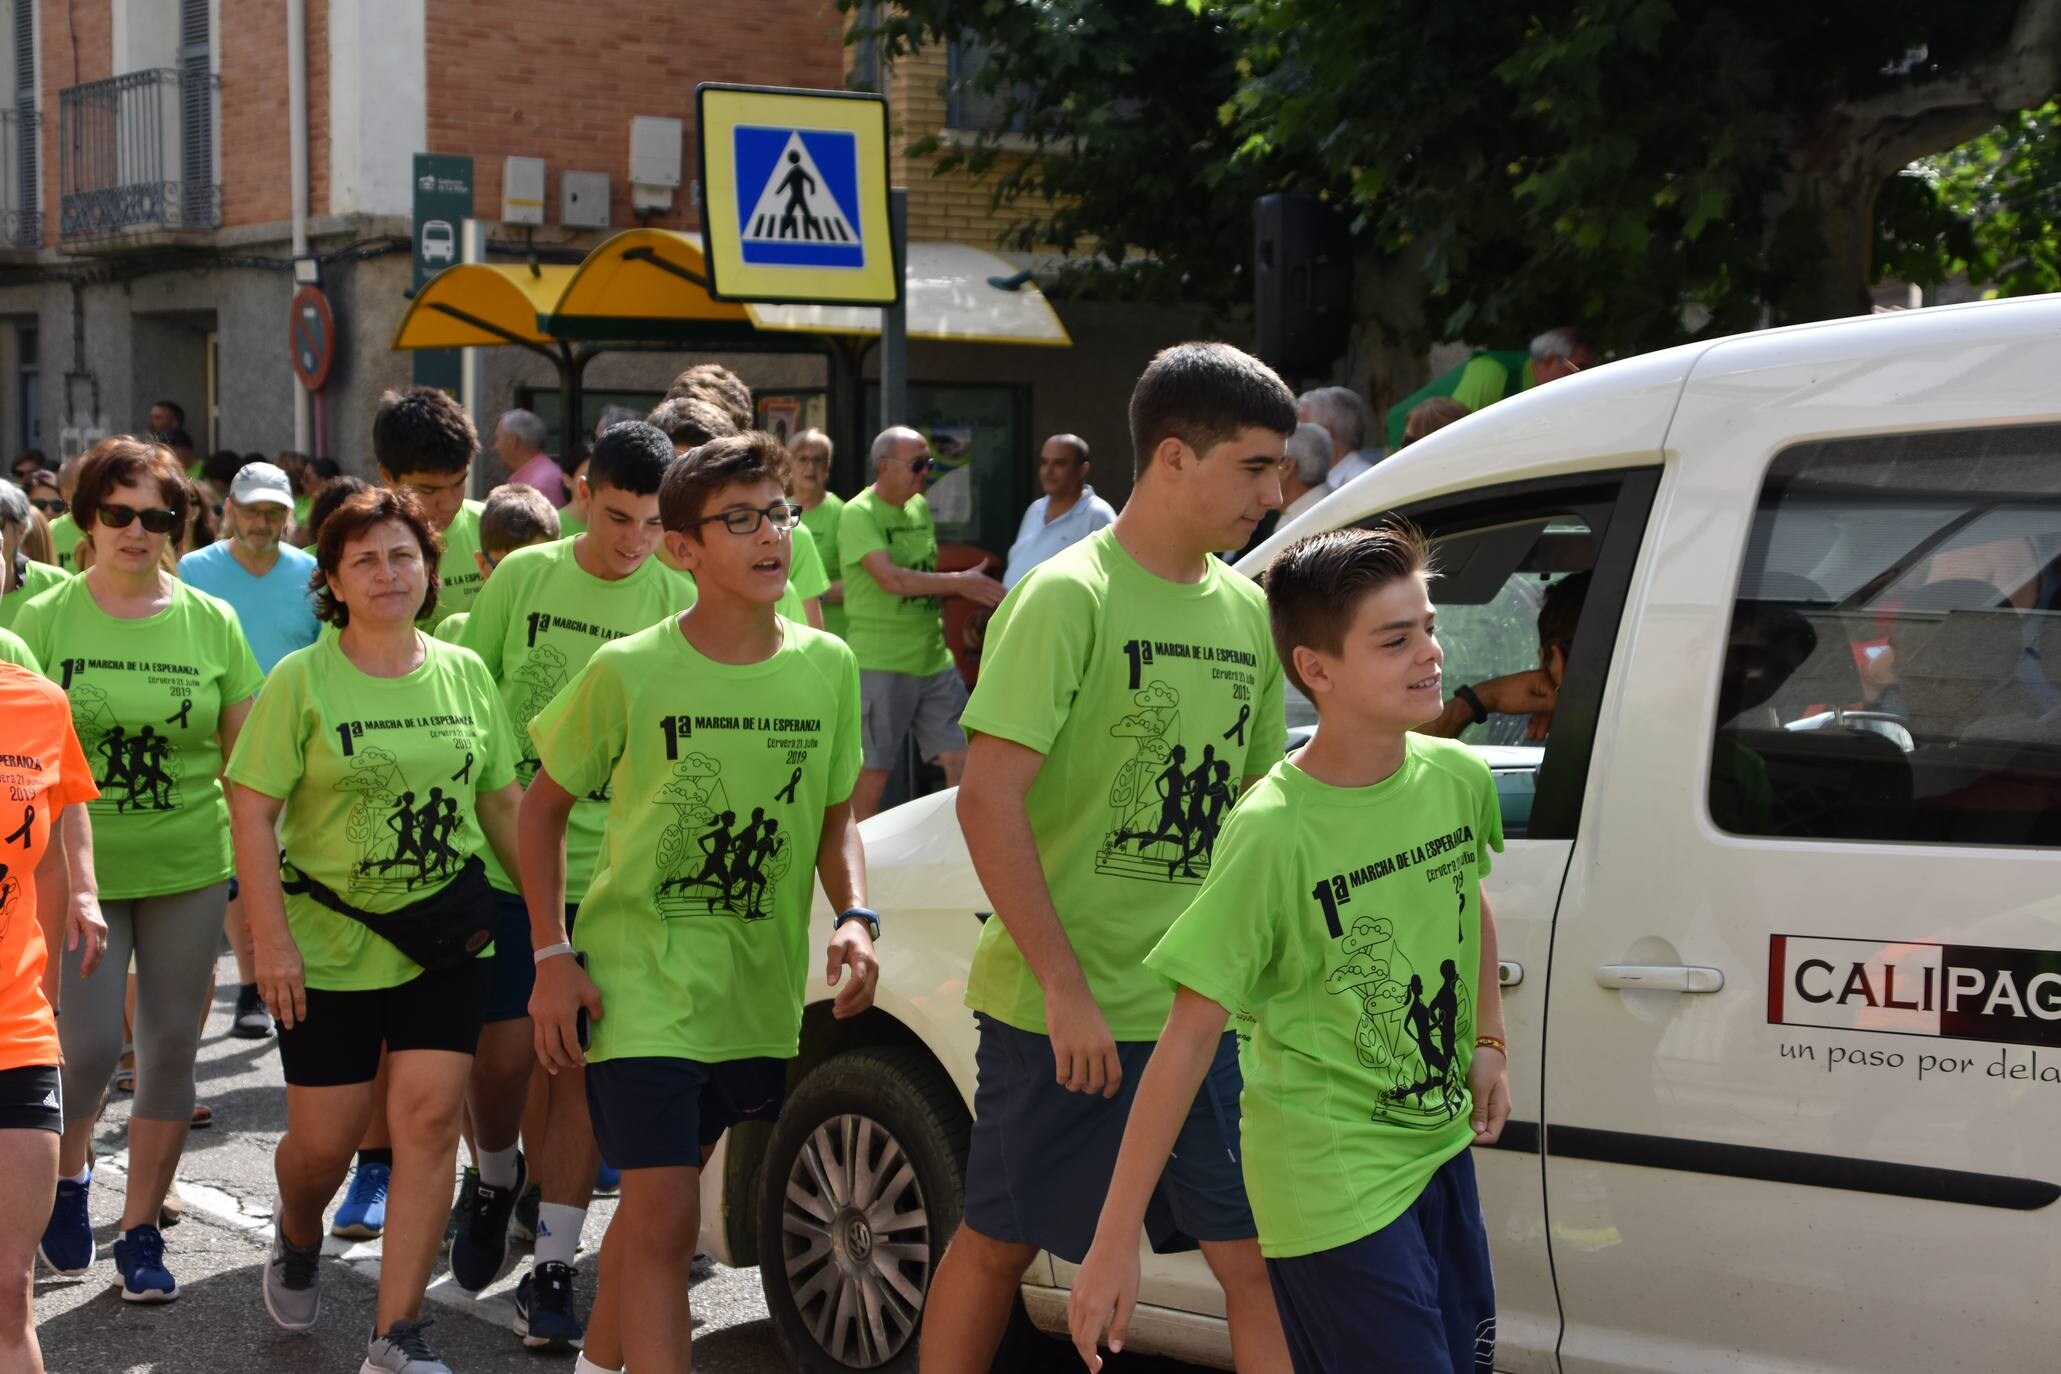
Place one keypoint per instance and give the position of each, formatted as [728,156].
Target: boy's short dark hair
[719,384]
[691,421]
[422,429]
[632,456]
[515,517]
[1203,394]
[1315,585]
[340,489]
[1561,611]
[698,474]
[223,464]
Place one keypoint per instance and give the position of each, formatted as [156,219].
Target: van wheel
[860,1192]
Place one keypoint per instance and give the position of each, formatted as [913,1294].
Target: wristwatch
[860,913]
[1467,694]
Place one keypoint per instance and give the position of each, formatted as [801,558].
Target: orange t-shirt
[42,771]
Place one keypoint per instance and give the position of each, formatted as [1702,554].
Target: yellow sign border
[719,109]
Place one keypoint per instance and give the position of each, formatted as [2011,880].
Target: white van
[1781,911]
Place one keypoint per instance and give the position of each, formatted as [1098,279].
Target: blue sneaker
[607,1182]
[67,1246]
[362,1214]
[139,1253]
[545,1317]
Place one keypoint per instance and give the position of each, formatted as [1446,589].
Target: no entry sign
[312,335]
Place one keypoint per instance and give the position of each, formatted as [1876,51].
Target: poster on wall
[785,415]
[951,474]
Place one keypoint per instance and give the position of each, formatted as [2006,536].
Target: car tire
[893,1114]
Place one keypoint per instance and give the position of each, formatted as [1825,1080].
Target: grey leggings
[175,939]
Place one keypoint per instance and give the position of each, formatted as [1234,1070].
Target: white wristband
[552,951]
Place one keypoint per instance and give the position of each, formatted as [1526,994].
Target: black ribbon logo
[1238,725]
[28,822]
[464,774]
[786,793]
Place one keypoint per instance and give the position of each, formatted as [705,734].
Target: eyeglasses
[49,505]
[919,465]
[812,460]
[747,521]
[157,521]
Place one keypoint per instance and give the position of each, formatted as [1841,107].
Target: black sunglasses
[49,505]
[157,521]
[919,465]
[747,521]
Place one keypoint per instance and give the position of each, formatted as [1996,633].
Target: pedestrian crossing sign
[794,196]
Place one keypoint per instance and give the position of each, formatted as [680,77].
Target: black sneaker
[545,1316]
[253,1021]
[481,1246]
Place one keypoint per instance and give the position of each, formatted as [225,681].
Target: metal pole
[894,321]
[297,175]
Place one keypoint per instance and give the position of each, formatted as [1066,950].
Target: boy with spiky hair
[1343,910]
[514,517]
[726,740]
[1128,688]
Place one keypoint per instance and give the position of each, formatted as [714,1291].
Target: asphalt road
[217,1254]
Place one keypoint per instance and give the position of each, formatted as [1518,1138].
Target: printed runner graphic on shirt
[1172,792]
[402,826]
[1416,1021]
[716,857]
[137,769]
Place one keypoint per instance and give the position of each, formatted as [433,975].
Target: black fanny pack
[440,932]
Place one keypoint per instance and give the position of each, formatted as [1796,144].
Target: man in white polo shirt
[1067,513]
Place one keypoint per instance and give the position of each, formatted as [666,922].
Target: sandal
[203,1116]
[125,1072]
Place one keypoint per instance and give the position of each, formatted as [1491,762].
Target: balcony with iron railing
[137,156]
[21,202]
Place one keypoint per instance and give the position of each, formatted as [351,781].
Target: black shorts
[338,1043]
[662,1113]
[32,1099]
[515,968]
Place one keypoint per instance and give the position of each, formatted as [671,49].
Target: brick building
[147,154]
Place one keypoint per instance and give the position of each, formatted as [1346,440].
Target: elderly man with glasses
[887,543]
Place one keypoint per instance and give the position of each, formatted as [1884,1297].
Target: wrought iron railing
[138,153]
[21,204]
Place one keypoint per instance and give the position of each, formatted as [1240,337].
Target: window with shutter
[196,117]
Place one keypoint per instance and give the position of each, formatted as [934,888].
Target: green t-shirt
[894,634]
[147,697]
[821,521]
[1347,920]
[805,571]
[696,927]
[14,650]
[380,777]
[1152,702]
[569,522]
[539,619]
[451,629]
[1479,382]
[64,537]
[458,570]
[36,578]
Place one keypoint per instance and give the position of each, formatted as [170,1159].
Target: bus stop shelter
[647,290]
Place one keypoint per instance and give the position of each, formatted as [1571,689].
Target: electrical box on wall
[583,200]
[655,143]
[522,190]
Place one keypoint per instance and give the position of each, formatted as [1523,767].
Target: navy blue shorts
[1416,1295]
[515,971]
[1042,1157]
[663,1113]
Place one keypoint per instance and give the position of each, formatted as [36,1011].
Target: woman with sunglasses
[21,577]
[160,680]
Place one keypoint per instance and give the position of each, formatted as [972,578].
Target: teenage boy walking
[537,622]
[1128,688]
[1344,911]
[693,942]
[423,441]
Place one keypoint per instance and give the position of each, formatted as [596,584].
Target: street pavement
[217,1254]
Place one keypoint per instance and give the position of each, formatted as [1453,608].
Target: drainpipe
[297,164]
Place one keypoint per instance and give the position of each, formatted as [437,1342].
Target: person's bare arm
[281,976]
[1529,693]
[1489,1077]
[497,812]
[974,585]
[812,611]
[1106,1288]
[229,725]
[992,816]
[562,986]
[834,594]
[841,864]
[83,922]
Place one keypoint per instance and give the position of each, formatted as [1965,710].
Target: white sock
[583,1365]
[83,1177]
[558,1232]
[497,1167]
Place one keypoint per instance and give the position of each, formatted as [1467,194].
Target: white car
[1780,916]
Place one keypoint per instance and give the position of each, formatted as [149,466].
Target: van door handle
[1661,977]
[1509,973]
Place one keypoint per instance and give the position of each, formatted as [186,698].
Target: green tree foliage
[1989,209]
[1508,166]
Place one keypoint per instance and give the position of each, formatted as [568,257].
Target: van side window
[1892,669]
